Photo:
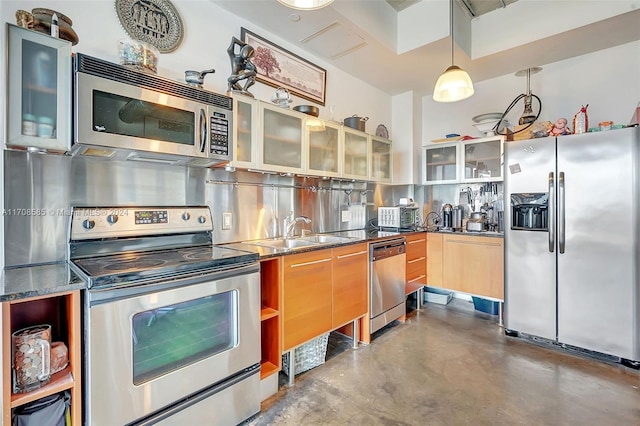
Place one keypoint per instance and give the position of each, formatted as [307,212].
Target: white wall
[207,34]
[607,80]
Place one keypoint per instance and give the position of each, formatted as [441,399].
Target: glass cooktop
[125,268]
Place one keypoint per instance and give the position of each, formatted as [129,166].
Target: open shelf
[267,312]
[268,368]
[59,382]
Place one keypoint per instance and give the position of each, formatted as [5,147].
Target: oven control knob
[202,219]
[88,224]
[186,216]
[112,218]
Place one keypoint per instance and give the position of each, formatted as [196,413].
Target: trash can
[51,410]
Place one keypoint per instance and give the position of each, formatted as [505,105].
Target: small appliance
[447,216]
[399,217]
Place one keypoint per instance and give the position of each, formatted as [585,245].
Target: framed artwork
[278,67]
[156,22]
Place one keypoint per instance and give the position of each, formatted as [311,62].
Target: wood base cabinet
[434,260]
[322,291]
[350,284]
[307,299]
[62,312]
[474,265]
[416,262]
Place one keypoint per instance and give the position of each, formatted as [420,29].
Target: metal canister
[457,217]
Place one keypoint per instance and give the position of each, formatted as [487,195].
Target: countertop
[50,279]
[39,280]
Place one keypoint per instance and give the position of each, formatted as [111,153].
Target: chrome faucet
[290,223]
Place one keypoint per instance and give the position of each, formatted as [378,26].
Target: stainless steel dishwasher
[387,263]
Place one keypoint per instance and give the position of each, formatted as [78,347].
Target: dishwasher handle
[387,249]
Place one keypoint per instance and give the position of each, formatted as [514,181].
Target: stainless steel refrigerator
[572,241]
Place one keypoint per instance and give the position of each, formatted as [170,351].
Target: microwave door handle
[203,129]
[551,213]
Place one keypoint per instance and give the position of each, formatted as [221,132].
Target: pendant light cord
[451,28]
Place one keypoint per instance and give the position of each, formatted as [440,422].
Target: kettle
[196,78]
[282,97]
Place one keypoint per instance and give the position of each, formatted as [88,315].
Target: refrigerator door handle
[551,213]
[561,205]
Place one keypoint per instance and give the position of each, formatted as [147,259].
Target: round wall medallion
[153,21]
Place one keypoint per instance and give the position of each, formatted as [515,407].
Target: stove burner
[134,264]
[202,254]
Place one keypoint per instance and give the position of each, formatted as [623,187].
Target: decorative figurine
[559,128]
[241,67]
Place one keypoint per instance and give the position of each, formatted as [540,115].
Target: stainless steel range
[171,323]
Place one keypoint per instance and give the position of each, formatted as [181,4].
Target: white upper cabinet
[245,132]
[473,160]
[357,161]
[325,143]
[381,159]
[38,91]
[282,140]
[440,163]
[482,159]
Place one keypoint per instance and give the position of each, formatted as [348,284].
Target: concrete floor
[454,366]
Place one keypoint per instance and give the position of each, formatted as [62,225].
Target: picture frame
[277,67]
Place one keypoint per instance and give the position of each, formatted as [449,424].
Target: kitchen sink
[299,242]
[325,239]
[283,243]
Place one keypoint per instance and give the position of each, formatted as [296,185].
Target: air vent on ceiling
[334,41]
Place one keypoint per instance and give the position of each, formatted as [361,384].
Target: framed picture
[278,67]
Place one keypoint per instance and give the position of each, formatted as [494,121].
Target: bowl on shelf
[488,126]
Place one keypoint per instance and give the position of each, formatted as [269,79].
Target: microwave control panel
[219,130]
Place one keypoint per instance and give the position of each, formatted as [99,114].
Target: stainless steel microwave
[120,113]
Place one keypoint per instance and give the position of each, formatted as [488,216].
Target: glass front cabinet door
[245,132]
[325,140]
[440,163]
[356,157]
[282,136]
[381,159]
[38,91]
[482,159]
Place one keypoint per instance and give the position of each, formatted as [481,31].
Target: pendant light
[454,84]
[305,4]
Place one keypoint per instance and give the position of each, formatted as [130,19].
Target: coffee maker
[447,217]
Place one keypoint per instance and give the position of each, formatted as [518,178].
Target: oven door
[117,115]
[148,350]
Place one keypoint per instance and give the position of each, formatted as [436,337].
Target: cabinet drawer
[416,267]
[416,246]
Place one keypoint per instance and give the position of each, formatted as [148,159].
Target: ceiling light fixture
[305,4]
[454,84]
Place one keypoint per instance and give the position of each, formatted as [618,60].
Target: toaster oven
[397,217]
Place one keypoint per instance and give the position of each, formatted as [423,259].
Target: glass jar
[29,125]
[45,127]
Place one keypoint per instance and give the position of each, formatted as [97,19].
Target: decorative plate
[153,21]
[382,131]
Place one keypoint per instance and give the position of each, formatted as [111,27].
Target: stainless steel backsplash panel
[39,190]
